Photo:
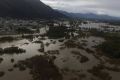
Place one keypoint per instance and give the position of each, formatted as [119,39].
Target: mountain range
[37,9]
[27,9]
[91,16]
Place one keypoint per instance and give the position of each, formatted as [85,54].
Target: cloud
[109,7]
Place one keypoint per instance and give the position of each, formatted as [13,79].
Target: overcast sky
[109,7]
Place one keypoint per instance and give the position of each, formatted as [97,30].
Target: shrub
[13,49]
[7,39]
[2,73]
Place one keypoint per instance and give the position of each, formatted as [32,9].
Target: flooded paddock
[57,60]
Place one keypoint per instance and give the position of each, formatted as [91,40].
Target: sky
[101,7]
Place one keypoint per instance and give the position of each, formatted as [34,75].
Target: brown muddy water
[68,61]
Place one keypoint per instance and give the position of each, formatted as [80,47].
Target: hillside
[27,9]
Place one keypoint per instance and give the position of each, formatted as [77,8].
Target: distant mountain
[90,16]
[94,16]
[27,9]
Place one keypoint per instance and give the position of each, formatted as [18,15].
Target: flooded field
[75,58]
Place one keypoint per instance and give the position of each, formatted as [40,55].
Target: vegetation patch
[10,70]
[42,68]
[89,51]
[53,52]
[82,76]
[111,47]
[12,50]
[1,50]
[82,58]
[47,44]
[12,60]
[99,72]
[61,40]
[7,39]
[56,32]
[30,37]
[74,44]
[38,41]
[2,73]
[70,44]
[23,30]
[1,59]
[42,49]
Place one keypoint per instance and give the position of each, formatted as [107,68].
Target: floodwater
[68,63]
[65,60]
